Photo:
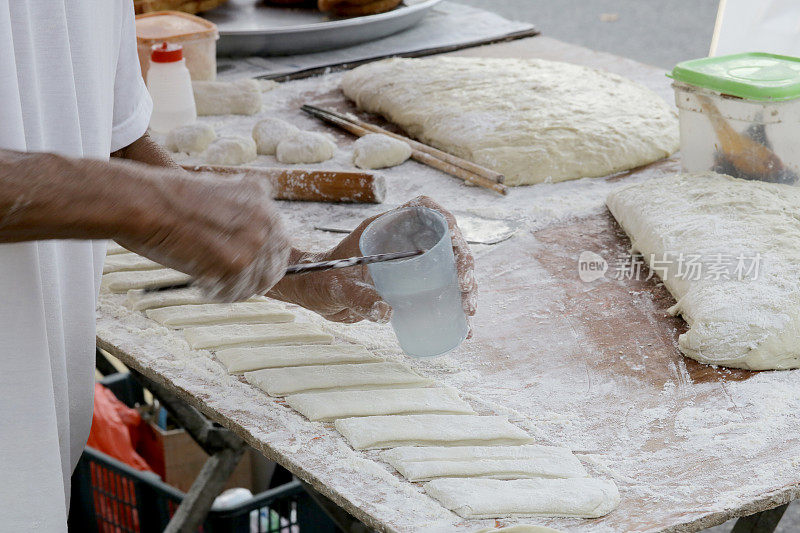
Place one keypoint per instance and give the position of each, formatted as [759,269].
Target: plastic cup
[428,317]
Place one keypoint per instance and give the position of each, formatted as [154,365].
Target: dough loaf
[374,432]
[181,316]
[213,337]
[304,148]
[268,133]
[283,381]
[708,218]
[531,119]
[240,360]
[493,498]
[126,262]
[231,151]
[376,150]
[191,139]
[497,462]
[240,97]
[345,404]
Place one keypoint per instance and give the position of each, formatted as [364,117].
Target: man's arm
[146,150]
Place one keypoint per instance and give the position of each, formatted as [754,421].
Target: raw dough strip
[182,316]
[122,282]
[211,337]
[341,404]
[113,249]
[125,262]
[240,360]
[374,432]
[138,300]
[496,462]
[283,381]
[494,498]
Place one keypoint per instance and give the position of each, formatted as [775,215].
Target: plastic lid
[152,28]
[166,53]
[754,75]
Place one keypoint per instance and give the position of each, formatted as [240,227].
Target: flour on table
[520,528]
[345,404]
[292,380]
[128,261]
[305,147]
[376,150]
[180,316]
[496,462]
[532,120]
[241,97]
[122,282]
[234,150]
[190,139]
[375,432]
[240,360]
[742,297]
[493,498]
[269,132]
[212,337]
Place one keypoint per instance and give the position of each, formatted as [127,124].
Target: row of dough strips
[478,466]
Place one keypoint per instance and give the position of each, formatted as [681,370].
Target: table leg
[763,522]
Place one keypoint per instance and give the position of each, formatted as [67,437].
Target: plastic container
[170,88]
[428,317]
[740,115]
[197,36]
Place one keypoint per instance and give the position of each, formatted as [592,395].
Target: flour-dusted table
[588,365]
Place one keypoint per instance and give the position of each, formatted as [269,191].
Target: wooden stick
[311,185]
[427,155]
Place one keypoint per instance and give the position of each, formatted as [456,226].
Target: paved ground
[657,32]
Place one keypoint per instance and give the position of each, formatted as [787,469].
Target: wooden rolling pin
[311,185]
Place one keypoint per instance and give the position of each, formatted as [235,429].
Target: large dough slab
[709,220]
[496,462]
[531,119]
[181,316]
[212,337]
[283,381]
[240,360]
[374,432]
[344,404]
[493,498]
[124,262]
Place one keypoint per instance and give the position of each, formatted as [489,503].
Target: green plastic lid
[754,75]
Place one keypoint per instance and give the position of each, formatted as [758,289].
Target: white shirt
[69,83]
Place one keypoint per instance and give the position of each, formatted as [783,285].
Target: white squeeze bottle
[170,88]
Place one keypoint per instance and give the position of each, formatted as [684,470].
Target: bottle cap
[166,53]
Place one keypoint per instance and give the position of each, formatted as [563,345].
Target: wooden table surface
[591,366]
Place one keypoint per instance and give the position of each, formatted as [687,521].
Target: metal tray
[252,27]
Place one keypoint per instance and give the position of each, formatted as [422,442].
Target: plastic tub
[197,36]
[740,115]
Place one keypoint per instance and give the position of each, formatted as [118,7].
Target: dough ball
[231,151]
[269,132]
[191,138]
[305,147]
[241,97]
[376,150]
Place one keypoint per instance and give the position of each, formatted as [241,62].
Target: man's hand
[348,295]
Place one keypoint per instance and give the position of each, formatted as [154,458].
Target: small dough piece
[231,151]
[373,432]
[182,316]
[138,300]
[344,404]
[240,97]
[114,249]
[376,150]
[122,282]
[283,381]
[240,360]
[191,139]
[304,148]
[494,498]
[496,462]
[212,337]
[269,132]
[126,262]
